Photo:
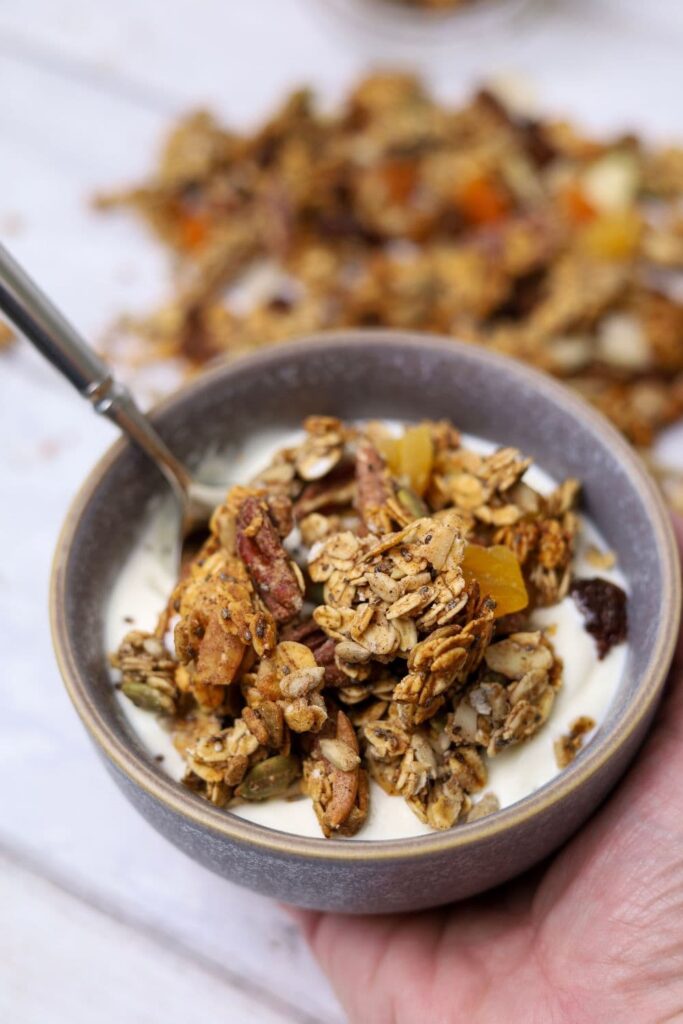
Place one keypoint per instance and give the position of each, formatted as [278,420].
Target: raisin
[603,606]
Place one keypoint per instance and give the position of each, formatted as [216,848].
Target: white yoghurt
[147,578]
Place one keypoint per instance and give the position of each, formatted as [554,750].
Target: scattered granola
[521,234]
[7,336]
[567,746]
[388,634]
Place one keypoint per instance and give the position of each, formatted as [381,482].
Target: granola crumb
[566,747]
[488,804]
[601,560]
[7,336]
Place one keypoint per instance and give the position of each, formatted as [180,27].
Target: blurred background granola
[482,221]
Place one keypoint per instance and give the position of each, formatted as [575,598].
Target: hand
[594,935]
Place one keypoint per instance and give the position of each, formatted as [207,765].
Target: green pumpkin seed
[412,503]
[269,778]
[148,698]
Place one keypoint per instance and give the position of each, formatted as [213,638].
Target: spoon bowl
[27,307]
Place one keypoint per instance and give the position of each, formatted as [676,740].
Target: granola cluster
[361,609]
[520,234]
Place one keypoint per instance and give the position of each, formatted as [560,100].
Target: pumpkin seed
[269,778]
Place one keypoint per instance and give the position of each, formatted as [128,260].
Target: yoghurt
[589,684]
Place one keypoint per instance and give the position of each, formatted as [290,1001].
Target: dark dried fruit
[603,606]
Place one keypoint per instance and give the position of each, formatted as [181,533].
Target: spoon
[35,316]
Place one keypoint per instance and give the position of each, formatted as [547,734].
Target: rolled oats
[418,662]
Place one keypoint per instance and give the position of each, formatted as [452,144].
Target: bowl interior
[374,374]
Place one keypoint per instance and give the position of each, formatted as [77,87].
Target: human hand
[595,934]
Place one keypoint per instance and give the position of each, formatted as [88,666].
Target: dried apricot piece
[499,576]
[411,456]
[417,456]
[613,236]
[390,449]
[482,201]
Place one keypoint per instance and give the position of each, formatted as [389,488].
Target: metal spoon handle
[34,315]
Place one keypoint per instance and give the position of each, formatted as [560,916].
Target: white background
[100,919]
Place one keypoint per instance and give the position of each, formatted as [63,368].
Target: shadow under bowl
[371,374]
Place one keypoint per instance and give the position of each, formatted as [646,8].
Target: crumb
[600,559]
[567,746]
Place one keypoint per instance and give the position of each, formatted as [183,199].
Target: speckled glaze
[372,374]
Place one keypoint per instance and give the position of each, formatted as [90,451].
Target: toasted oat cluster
[520,234]
[362,608]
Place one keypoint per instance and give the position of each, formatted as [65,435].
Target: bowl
[354,375]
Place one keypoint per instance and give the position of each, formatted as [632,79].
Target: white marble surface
[85,91]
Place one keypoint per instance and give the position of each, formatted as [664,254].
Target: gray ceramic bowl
[372,374]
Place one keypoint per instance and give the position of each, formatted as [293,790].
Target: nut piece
[373,489]
[276,578]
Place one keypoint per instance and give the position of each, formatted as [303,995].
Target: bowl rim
[199,812]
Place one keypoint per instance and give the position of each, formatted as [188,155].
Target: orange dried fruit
[417,457]
[194,230]
[499,576]
[389,449]
[576,205]
[482,201]
[613,236]
[410,457]
[399,178]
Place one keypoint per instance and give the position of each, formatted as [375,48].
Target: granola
[568,745]
[521,234]
[7,336]
[389,635]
